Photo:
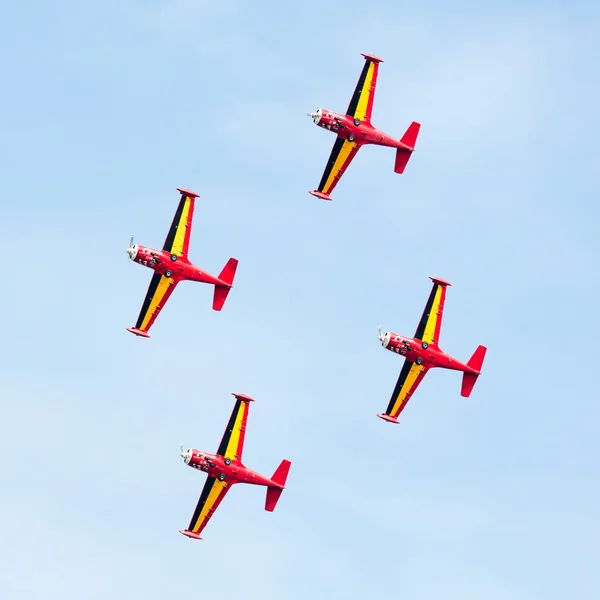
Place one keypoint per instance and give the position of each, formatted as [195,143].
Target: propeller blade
[131,242]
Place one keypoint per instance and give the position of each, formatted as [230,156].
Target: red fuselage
[170,265]
[346,127]
[430,357]
[234,472]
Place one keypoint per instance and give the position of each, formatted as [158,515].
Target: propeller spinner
[132,250]
[384,339]
[186,455]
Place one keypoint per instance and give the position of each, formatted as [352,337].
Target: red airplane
[171,265]
[354,130]
[225,468]
[423,353]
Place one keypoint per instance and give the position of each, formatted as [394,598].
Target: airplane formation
[171,265]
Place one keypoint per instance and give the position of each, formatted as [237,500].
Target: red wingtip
[389,419]
[243,397]
[190,534]
[438,280]
[372,57]
[138,332]
[188,193]
[320,195]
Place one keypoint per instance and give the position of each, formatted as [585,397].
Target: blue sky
[107,108]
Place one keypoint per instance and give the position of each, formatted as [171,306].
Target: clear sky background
[107,107]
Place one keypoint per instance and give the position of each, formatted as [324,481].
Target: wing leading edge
[408,381]
[159,290]
[232,443]
[341,156]
[431,320]
[361,104]
[178,238]
[212,493]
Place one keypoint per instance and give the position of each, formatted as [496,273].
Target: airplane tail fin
[469,379]
[279,477]
[409,139]
[226,276]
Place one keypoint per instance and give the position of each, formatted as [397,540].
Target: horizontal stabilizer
[221,293]
[273,495]
[280,475]
[475,363]
[279,478]
[228,272]
[408,141]
[468,382]
[226,276]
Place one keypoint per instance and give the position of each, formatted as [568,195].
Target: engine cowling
[197,459]
[385,338]
[395,343]
[145,256]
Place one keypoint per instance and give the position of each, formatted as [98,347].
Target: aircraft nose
[185,454]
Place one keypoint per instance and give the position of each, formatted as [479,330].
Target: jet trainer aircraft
[225,468]
[423,353]
[354,130]
[171,265]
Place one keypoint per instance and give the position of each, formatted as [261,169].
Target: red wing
[341,156]
[408,381]
[178,238]
[213,492]
[160,289]
[431,320]
[361,104]
[232,444]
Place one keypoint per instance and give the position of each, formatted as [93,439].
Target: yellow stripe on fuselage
[433,317]
[215,491]
[414,372]
[361,109]
[339,163]
[181,229]
[234,440]
[161,290]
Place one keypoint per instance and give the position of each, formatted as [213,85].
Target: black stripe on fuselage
[175,225]
[203,498]
[151,291]
[359,88]
[227,435]
[401,380]
[335,152]
[425,317]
